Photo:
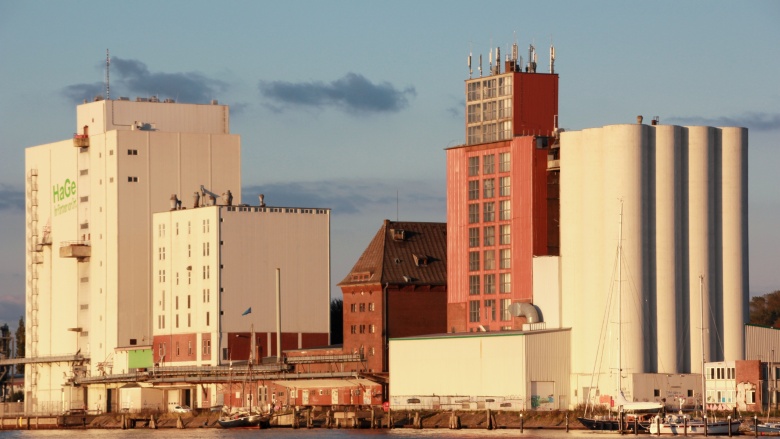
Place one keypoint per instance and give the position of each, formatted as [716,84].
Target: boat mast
[703,374]
[620,301]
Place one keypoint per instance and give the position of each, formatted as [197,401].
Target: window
[505,210]
[177,320]
[490,235]
[474,261]
[490,310]
[206,347]
[656,392]
[490,260]
[506,258]
[489,164]
[474,190]
[505,314]
[178,352]
[371,329]
[474,311]
[161,253]
[353,329]
[474,237]
[473,213]
[189,301]
[189,347]
[371,306]
[750,396]
[505,235]
[506,282]
[206,248]
[132,179]
[503,162]
[473,166]
[189,250]
[504,186]
[208,323]
[490,284]
[362,307]
[177,302]
[362,329]
[474,112]
[489,187]
[474,284]
[489,211]
[353,307]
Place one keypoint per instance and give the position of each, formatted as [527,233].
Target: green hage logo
[64,197]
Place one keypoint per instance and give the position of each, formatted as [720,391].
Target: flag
[248,310]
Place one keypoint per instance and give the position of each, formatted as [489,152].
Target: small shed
[135,398]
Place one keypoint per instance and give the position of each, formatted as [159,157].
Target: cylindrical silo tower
[734,223]
[668,245]
[701,234]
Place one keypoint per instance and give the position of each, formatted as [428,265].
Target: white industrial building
[683,192]
[214,283]
[90,201]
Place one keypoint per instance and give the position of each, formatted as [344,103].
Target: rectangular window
[474,237]
[473,213]
[506,282]
[474,190]
[490,235]
[489,164]
[505,235]
[489,211]
[473,166]
[178,352]
[177,302]
[206,347]
[208,323]
[503,162]
[504,188]
[506,258]
[505,210]
[371,329]
[490,310]
[474,311]
[474,261]
[489,187]
[177,320]
[362,307]
[490,284]
[371,306]
[189,301]
[474,284]
[353,307]
[353,329]
[490,260]
[505,314]
[362,329]
[189,347]
[189,320]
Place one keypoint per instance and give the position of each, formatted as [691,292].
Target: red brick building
[397,288]
[502,196]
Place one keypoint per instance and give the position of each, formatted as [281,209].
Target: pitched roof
[413,253]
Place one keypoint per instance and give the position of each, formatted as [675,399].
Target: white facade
[212,264]
[497,370]
[684,201]
[90,202]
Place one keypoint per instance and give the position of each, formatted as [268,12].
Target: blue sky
[350,104]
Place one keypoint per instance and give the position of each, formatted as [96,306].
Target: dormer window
[398,234]
[421,260]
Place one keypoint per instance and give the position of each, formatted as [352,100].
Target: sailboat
[244,418]
[637,413]
[680,424]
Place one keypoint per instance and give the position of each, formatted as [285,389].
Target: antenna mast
[108,84]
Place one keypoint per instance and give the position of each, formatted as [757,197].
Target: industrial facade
[683,192]
[90,201]
[502,202]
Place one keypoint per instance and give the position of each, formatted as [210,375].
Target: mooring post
[521,422]
[685,426]
[636,425]
[567,421]
[706,433]
[657,425]
[729,419]
[755,425]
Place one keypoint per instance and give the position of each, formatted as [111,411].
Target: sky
[349,105]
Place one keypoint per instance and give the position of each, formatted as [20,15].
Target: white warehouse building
[90,202]
[683,192]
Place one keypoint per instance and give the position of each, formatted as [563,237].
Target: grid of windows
[473,166]
[503,162]
[488,187]
[474,190]
[474,237]
[474,284]
[474,311]
[473,261]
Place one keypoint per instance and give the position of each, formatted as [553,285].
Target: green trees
[765,310]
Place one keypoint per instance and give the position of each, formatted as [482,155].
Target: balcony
[81,140]
[75,249]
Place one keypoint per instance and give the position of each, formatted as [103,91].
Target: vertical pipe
[278,316]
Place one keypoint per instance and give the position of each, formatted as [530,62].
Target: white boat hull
[677,426]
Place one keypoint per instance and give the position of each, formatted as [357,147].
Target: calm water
[401,433]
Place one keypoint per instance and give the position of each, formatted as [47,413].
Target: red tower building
[502,195]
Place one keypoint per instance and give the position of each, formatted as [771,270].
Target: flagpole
[278,317]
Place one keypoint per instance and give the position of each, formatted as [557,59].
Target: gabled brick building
[398,288]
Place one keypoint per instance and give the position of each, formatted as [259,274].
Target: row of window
[489,235]
[489,285]
[206,228]
[489,310]
[361,306]
[489,211]
[489,164]
[489,88]
[489,261]
[489,132]
[489,188]
[206,299]
[161,320]
[161,275]
[489,110]
[361,329]
[163,351]
[721,373]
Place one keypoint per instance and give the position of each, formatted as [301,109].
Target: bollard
[729,419]
[706,433]
[636,425]
[567,422]
[685,426]
[489,420]
[657,425]
[179,423]
[621,422]
[755,425]
[152,423]
[521,422]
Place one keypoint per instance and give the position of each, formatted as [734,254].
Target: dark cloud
[352,93]
[347,197]
[751,120]
[10,198]
[132,77]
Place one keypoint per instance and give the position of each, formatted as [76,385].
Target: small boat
[767,427]
[240,420]
[682,425]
